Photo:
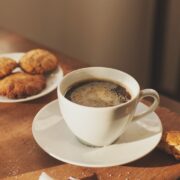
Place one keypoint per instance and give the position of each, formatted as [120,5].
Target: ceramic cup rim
[59,90]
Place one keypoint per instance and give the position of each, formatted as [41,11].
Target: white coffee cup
[101,126]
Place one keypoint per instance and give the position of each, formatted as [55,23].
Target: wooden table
[22,158]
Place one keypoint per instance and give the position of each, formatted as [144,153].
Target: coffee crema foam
[97,93]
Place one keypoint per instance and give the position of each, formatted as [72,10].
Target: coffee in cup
[97,93]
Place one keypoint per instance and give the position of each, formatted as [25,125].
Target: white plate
[54,137]
[51,84]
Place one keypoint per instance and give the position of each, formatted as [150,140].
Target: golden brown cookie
[38,61]
[20,85]
[7,65]
[170,143]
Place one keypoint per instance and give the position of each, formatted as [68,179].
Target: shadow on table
[156,158]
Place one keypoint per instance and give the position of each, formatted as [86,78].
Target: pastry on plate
[21,85]
[38,61]
[170,143]
[7,65]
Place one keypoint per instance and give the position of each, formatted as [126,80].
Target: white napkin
[44,176]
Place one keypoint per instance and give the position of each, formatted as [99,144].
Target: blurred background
[139,37]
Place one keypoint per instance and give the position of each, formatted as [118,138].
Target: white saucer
[51,84]
[54,137]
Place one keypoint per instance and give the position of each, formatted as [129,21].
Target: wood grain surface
[22,158]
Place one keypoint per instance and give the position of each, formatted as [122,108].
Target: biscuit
[38,61]
[21,85]
[170,143]
[7,65]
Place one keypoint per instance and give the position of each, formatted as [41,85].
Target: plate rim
[33,97]
[86,164]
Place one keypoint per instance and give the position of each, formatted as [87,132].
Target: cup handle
[148,93]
